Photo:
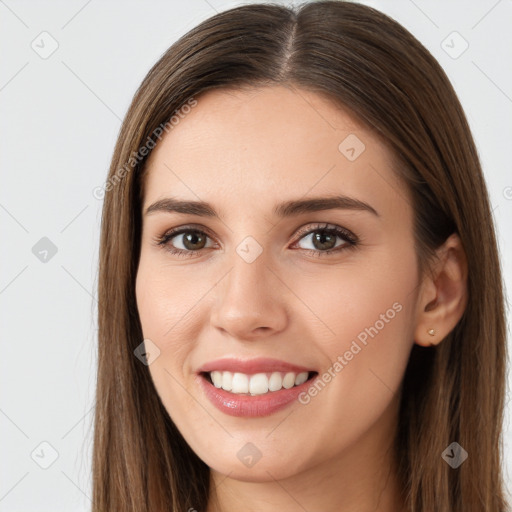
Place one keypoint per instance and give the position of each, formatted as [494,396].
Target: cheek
[364,321]
[166,302]
[348,300]
[159,311]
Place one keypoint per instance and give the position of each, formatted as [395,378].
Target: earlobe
[443,296]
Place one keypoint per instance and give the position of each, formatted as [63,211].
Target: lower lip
[251,406]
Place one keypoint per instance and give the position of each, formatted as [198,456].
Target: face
[265,288]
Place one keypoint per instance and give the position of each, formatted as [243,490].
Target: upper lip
[250,366]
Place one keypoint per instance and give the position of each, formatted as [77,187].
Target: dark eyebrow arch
[285,209]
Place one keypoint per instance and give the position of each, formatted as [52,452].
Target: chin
[256,474]
[263,469]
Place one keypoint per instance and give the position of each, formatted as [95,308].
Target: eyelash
[347,236]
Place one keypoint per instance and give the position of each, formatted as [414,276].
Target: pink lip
[246,405]
[251,366]
[251,406]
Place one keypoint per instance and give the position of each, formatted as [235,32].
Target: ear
[443,294]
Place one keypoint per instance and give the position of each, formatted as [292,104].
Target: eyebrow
[286,209]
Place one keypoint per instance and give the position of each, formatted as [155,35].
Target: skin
[243,152]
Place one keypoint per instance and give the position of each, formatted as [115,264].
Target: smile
[257,384]
[253,388]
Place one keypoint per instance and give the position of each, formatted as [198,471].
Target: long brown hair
[369,64]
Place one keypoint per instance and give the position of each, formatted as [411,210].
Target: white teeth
[227,381]
[289,380]
[301,378]
[257,384]
[240,383]
[216,379]
[275,383]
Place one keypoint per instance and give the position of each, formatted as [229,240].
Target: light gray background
[59,120]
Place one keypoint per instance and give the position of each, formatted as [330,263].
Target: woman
[301,304]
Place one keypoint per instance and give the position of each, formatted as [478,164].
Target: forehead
[272,143]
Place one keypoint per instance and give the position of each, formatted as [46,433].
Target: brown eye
[187,241]
[184,241]
[323,240]
[194,240]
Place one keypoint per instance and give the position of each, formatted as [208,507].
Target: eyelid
[308,229]
[171,233]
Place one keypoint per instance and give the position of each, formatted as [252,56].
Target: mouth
[253,387]
[257,384]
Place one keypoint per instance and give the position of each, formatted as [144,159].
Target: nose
[251,301]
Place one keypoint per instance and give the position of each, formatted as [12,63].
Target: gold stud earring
[432,332]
